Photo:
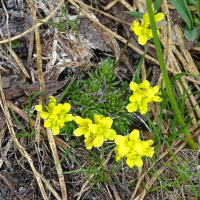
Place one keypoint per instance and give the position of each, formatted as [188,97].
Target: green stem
[65,92]
[199,7]
[122,53]
[166,78]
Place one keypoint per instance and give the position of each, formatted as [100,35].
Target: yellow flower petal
[39,107]
[110,134]
[138,161]
[66,107]
[98,118]
[134,86]
[132,107]
[47,123]
[81,131]
[89,142]
[69,117]
[130,162]
[107,123]
[138,148]
[134,135]
[44,114]
[159,17]
[52,99]
[56,130]
[98,142]
[143,108]
[93,128]
[138,30]
[142,39]
[123,150]
[120,140]
[82,121]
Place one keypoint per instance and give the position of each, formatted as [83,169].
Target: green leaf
[192,3]
[157,5]
[183,10]
[190,34]
[137,71]
[196,21]
[135,14]
[14,44]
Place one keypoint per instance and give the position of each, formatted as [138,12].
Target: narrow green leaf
[183,11]
[135,14]
[190,34]
[157,5]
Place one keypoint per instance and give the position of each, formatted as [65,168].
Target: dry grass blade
[48,185]
[106,14]
[127,5]
[33,27]
[111,4]
[58,168]
[39,69]
[13,135]
[17,60]
[114,34]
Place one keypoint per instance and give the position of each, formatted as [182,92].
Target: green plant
[166,78]
[61,24]
[14,44]
[94,162]
[101,95]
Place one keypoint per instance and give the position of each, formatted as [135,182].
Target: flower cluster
[142,95]
[56,114]
[95,134]
[143,30]
[133,149]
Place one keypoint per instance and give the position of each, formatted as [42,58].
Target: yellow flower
[143,33]
[139,90]
[157,17]
[54,123]
[155,92]
[102,130]
[147,149]
[89,142]
[134,25]
[49,108]
[134,159]
[138,104]
[83,127]
[62,110]
[118,156]
[133,148]
[129,143]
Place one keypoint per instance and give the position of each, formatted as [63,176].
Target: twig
[58,167]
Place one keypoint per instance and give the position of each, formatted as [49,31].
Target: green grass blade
[166,78]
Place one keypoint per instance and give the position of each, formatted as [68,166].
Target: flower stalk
[173,102]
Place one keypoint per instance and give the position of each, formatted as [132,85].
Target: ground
[46,45]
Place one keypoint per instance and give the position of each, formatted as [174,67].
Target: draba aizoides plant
[99,112]
[100,95]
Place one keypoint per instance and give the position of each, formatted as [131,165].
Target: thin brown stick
[39,69]
[56,160]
